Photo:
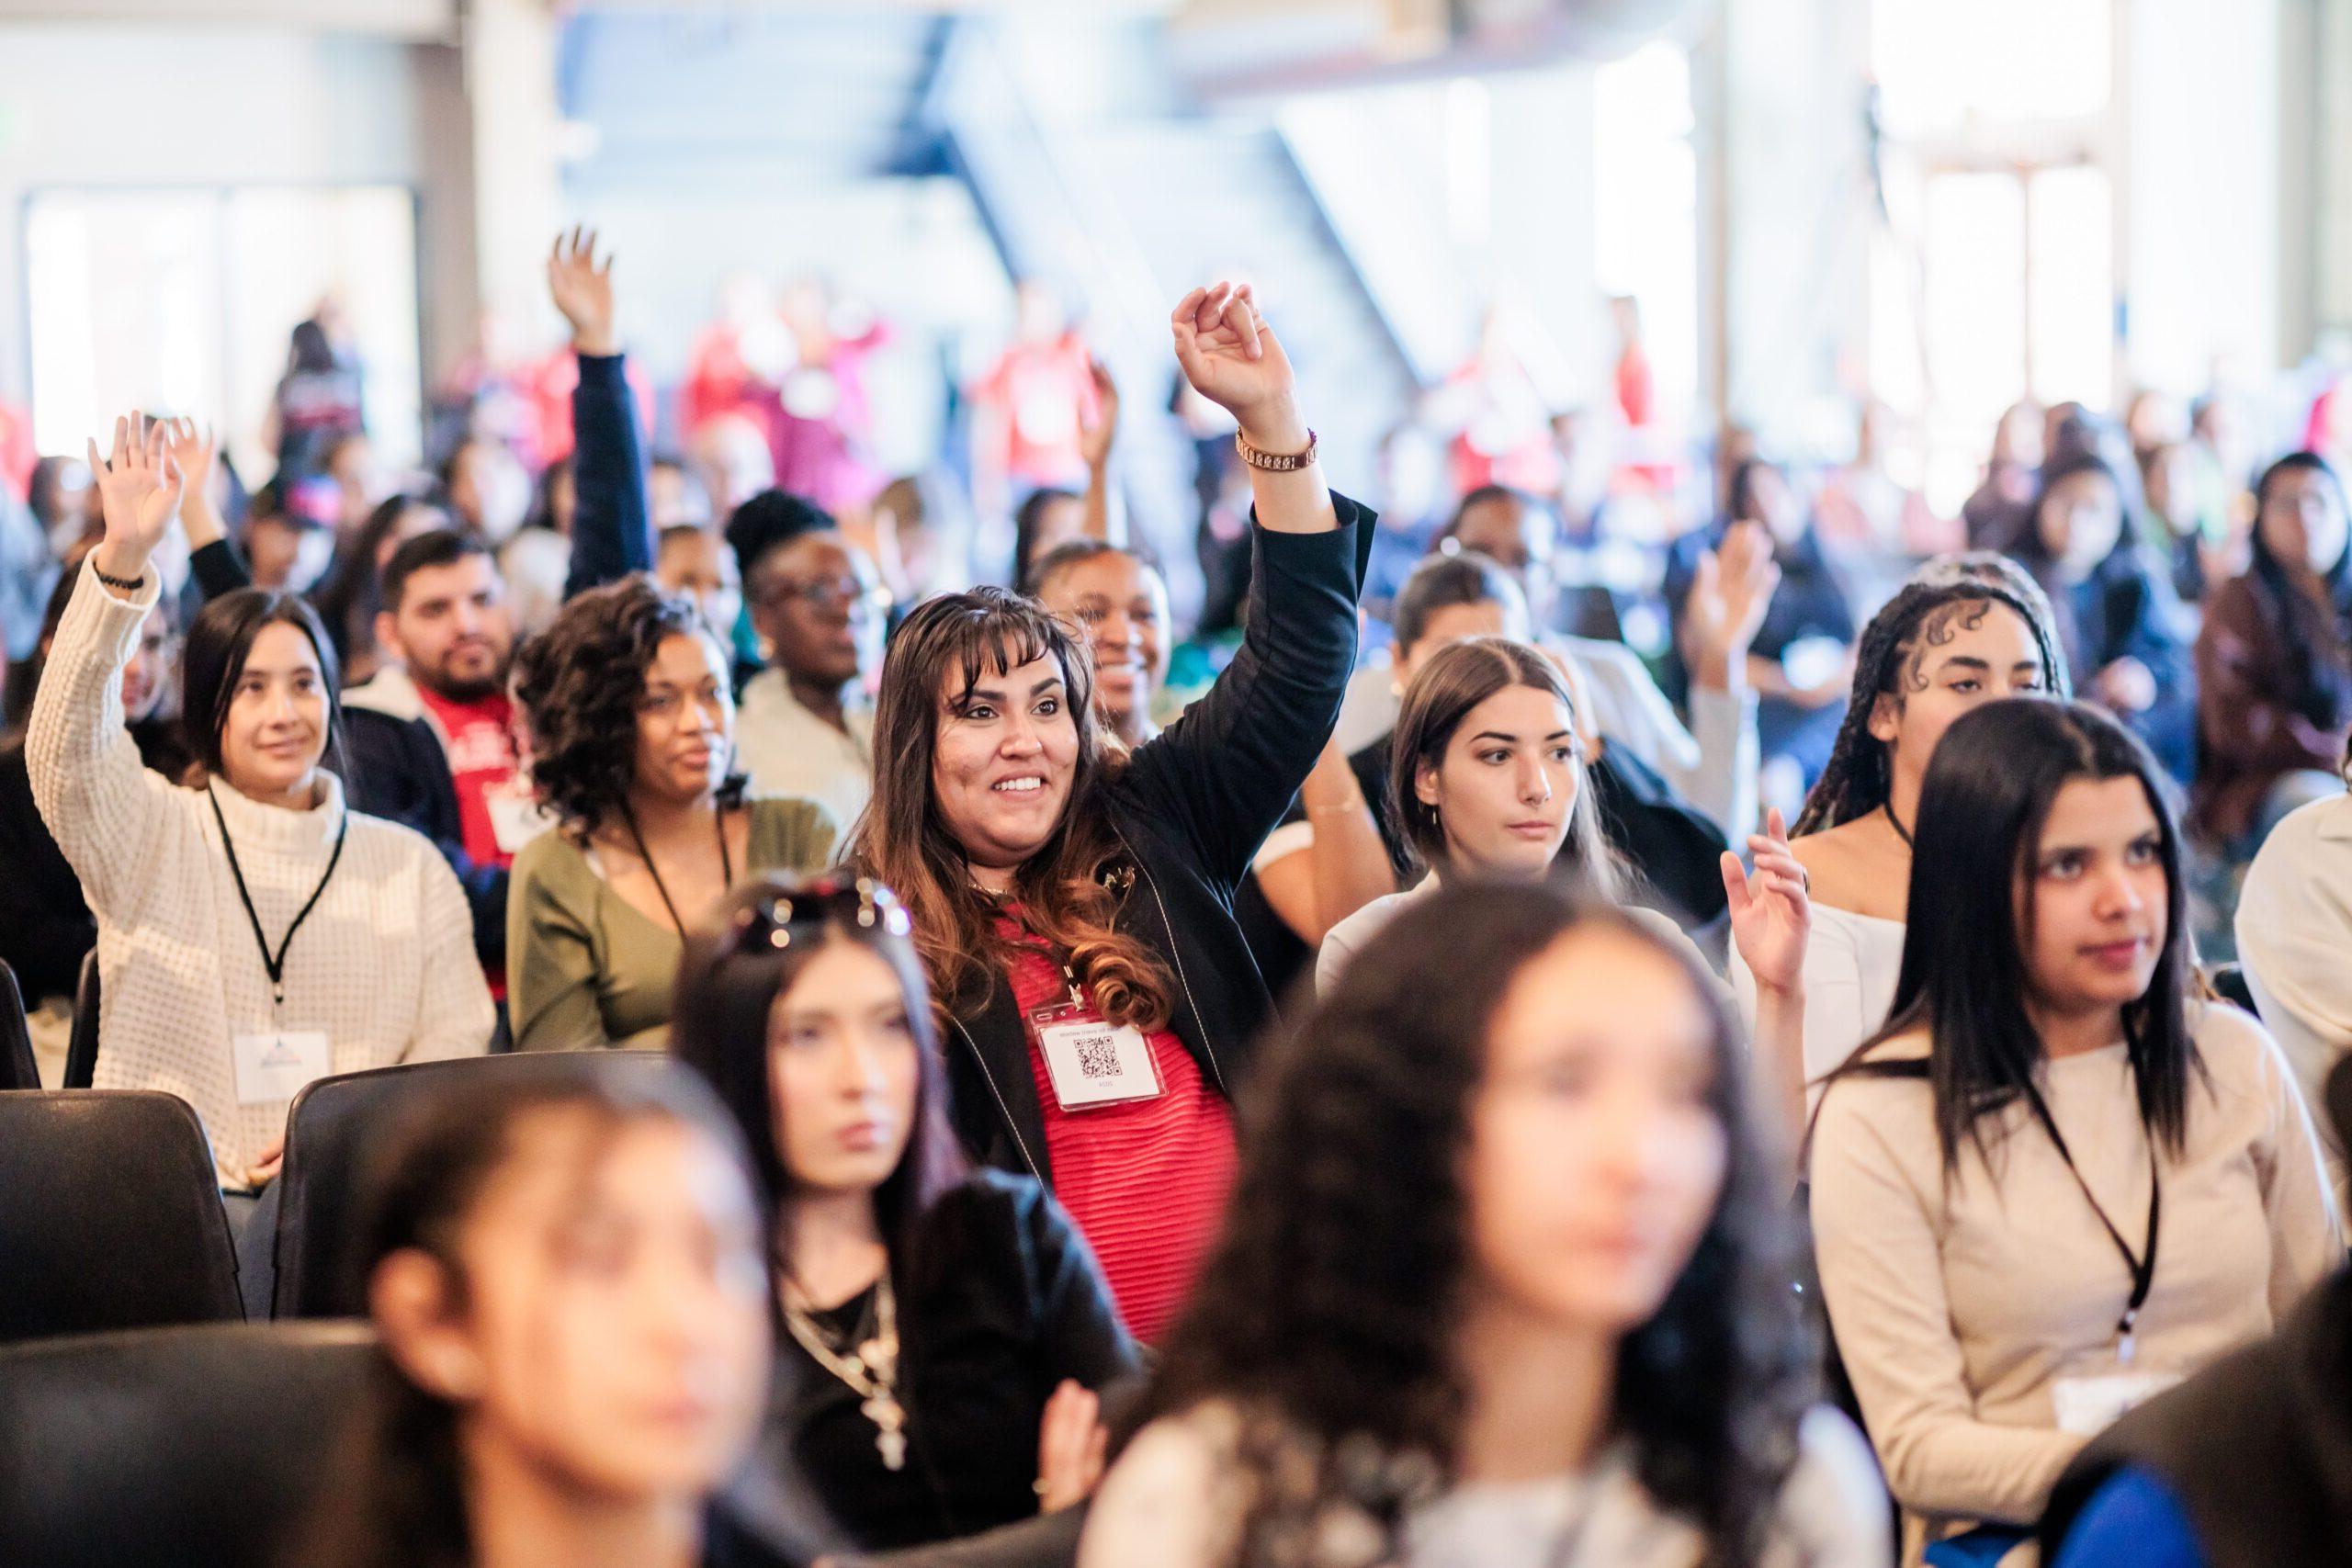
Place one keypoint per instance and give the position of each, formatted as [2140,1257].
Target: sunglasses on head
[862,901]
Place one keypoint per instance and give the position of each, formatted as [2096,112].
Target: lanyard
[275,964]
[2142,1266]
[725,862]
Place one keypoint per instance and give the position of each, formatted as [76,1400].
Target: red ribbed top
[1144,1181]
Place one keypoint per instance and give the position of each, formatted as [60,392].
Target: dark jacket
[1674,851]
[2257,1448]
[399,768]
[1193,805]
[2125,609]
[999,1302]
[2252,729]
[45,926]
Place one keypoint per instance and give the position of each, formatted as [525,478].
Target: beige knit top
[384,964]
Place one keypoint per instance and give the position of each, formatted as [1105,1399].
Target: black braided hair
[1856,780]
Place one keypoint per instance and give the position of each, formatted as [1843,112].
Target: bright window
[199,289]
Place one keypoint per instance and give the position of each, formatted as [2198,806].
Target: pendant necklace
[870,1366]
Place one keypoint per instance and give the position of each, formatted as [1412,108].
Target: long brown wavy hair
[1070,891]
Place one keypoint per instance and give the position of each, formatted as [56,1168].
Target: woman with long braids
[1964,630]
[2057,1179]
[1502,1285]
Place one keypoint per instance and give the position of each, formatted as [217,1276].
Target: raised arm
[1232,357]
[1104,518]
[1227,771]
[212,560]
[100,801]
[612,532]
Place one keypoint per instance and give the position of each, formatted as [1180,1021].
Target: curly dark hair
[1858,777]
[579,683]
[1327,1306]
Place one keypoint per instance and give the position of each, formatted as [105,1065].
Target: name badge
[514,819]
[2088,1405]
[1093,1061]
[272,1066]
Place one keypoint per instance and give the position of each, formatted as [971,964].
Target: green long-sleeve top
[588,969]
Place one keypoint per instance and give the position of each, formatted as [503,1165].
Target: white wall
[2201,243]
[185,105]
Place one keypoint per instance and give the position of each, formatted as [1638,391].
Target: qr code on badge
[1097,1056]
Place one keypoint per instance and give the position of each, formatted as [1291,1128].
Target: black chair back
[331,1133]
[81,1049]
[199,1447]
[17,1068]
[109,1216]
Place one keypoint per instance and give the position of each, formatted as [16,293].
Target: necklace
[869,1367]
[1896,823]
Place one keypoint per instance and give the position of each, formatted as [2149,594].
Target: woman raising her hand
[1073,906]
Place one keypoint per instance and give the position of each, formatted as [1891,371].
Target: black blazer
[1193,805]
[999,1301]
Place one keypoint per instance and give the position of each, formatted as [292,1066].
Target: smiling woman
[252,933]
[1072,902]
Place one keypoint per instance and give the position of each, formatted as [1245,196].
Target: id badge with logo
[1093,1061]
[274,1065]
[2092,1391]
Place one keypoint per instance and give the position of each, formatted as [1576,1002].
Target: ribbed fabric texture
[1145,1181]
[384,964]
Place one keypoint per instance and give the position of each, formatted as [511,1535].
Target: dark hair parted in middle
[1456,679]
[396,1490]
[936,658]
[1857,778]
[1964,978]
[1332,1295]
[581,682]
[2313,629]
[729,982]
[213,660]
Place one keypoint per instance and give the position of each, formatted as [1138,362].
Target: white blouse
[1850,964]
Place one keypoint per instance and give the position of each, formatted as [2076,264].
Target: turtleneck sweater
[383,966]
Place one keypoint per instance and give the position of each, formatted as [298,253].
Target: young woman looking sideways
[2057,1180]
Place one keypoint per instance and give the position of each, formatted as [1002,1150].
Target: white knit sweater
[384,964]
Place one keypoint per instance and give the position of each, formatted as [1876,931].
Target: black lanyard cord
[275,964]
[726,860]
[2142,1266]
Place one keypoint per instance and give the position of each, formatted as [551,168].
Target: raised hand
[139,491]
[1072,1443]
[1232,356]
[191,448]
[1095,435]
[1771,913]
[582,289]
[1730,593]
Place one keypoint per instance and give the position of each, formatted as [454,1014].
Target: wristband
[131,585]
[1274,462]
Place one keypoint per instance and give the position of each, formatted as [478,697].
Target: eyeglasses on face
[827,594]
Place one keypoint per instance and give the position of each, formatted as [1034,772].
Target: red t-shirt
[1144,1181]
[478,738]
